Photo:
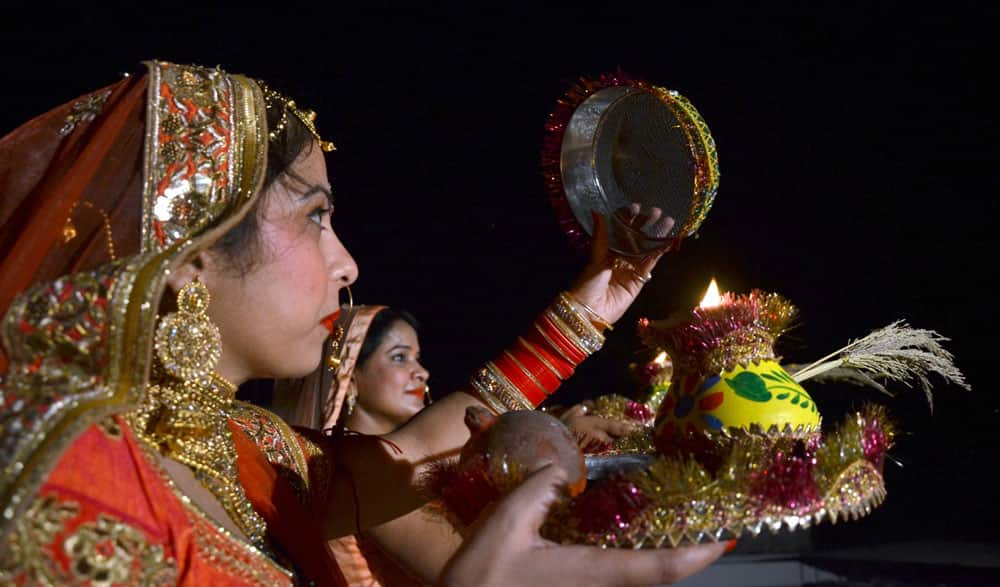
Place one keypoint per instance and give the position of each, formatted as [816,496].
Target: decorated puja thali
[728,440]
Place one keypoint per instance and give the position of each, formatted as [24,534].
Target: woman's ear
[187,271]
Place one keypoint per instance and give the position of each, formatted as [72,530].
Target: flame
[661,359]
[712,297]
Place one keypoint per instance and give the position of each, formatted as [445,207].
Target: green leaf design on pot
[750,386]
[783,395]
[784,375]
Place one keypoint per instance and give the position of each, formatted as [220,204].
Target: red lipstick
[330,320]
[417,392]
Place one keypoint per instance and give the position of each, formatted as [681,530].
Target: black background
[856,144]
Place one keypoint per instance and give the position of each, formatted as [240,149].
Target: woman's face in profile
[391,381]
[271,318]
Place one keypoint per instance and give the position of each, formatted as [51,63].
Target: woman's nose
[343,269]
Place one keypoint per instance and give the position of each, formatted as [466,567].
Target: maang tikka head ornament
[273,98]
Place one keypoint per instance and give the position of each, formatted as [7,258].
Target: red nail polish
[730,545]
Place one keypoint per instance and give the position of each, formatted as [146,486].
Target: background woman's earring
[427,395]
[188,345]
[352,398]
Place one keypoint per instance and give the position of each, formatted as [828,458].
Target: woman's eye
[399,358]
[319,213]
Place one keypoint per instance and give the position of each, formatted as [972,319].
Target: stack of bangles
[529,371]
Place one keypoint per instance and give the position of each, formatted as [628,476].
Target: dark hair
[241,245]
[380,325]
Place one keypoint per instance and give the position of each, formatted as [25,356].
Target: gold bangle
[499,393]
[491,402]
[568,333]
[594,316]
[578,321]
[572,322]
[507,392]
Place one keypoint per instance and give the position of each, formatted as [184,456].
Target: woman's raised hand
[610,282]
[506,549]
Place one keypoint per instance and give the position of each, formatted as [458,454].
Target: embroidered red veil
[99,198]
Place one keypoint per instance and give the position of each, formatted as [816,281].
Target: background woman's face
[391,382]
[271,318]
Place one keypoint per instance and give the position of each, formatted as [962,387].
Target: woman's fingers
[647,263]
[507,549]
[593,439]
[525,508]
[574,412]
[615,428]
[662,227]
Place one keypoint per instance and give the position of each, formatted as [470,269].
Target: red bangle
[552,361]
[537,370]
[529,371]
[558,341]
[522,379]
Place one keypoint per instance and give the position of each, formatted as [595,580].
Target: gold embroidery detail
[84,110]
[215,543]
[109,552]
[30,559]
[191,167]
[188,421]
[219,551]
[110,427]
[277,442]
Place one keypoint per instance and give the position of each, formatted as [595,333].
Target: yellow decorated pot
[761,394]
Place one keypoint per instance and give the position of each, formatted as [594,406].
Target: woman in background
[386,388]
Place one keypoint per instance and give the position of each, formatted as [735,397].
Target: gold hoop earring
[188,345]
[350,298]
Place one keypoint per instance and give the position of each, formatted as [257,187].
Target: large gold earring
[187,343]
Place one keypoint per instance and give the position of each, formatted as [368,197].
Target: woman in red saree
[163,240]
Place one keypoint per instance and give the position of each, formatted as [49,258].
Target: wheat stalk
[897,352]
